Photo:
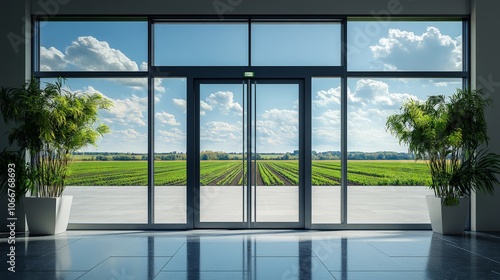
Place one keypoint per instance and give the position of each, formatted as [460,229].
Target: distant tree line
[353,155]
[219,155]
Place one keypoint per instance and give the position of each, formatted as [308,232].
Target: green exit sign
[249,74]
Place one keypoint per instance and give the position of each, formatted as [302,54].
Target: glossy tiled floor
[256,254]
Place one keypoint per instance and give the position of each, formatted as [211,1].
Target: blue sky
[122,46]
[201,44]
[404,46]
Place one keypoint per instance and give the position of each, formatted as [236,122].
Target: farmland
[231,173]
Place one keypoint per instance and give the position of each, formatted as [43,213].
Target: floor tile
[403,248]
[42,245]
[355,255]
[380,275]
[463,274]
[152,246]
[43,275]
[203,275]
[83,254]
[255,254]
[290,268]
[277,249]
[127,268]
[210,256]
[485,245]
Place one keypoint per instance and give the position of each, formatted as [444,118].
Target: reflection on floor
[254,254]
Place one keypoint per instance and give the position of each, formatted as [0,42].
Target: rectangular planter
[447,219]
[47,215]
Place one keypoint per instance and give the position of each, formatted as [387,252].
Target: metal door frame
[249,99]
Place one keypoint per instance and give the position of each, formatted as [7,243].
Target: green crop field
[232,173]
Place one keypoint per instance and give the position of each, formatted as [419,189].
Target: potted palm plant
[450,134]
[51,124]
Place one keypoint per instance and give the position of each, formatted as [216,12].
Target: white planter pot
[47,215]
[447,219]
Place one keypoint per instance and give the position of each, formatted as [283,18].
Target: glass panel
[276,153]
[326,95]
[109,182]
[385,184]
[404,46]
[170,151]
[93,46]
[296,44]
[201,44]
[222,190]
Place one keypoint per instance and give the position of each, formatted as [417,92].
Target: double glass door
[250,167]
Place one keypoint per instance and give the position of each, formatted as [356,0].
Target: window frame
[191,73]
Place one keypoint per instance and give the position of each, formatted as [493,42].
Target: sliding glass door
[249,154]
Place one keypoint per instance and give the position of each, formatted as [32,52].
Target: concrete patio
[366,204]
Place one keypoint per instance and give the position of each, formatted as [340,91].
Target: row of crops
[233,173]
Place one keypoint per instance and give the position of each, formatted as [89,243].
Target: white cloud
[367,118]
[333,95]
[166,118]
[281,117]
[278,129]
[325,136]
[221,132]
[204,107]
[441,84]
[325,97]
[392,99]
[144,66]
[158,97]
[329,118]
[359,118]
[224,101]
[88,53]
[403,50]
[368,91]
[222,126]
[170,140]
[139,84]
[128,111]
[174,135]
[180,103]
[52,59]
[88,89]
[129,134]
[326,130]
[125,140]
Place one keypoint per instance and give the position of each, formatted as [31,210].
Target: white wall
[485,72]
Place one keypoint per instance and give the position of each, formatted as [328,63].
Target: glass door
[249,154]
